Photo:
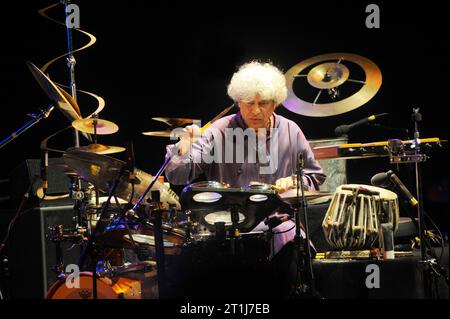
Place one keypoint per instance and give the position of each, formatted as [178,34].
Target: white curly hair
[258,78]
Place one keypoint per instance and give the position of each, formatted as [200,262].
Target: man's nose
[255,109]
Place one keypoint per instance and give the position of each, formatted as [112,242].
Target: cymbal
[100,149]
[158,133]
[102,170]
[104,127]
[174,121]
[330,75]
[57,95]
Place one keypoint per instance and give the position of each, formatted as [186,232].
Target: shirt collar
[238,121]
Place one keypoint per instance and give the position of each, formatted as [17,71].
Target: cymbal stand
[305,287]
[71,65]
[71,61]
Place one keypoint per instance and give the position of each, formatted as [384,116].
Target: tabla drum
[356,214]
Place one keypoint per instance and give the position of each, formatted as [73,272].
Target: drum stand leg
[234,231]
[158,232]
[159,246]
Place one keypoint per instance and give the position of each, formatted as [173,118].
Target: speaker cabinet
[31,254]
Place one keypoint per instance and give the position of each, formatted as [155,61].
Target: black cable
[19,212]
[440,235]
[284,231]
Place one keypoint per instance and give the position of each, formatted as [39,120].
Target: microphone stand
[306,287]
[158,233]
[429,271]
[36,117]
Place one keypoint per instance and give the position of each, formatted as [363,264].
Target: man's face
[257,113]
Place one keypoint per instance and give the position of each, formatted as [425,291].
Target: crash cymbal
[57,95]
[100,149]
[174,121]
[103,127]
[329,75]
[102,170]
[69,108]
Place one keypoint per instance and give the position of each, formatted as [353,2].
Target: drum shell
[356,215]
[59,289]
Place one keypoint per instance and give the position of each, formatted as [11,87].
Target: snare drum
[356,212]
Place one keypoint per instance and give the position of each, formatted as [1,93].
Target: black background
[175,59]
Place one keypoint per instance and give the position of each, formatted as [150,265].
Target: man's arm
[186,156]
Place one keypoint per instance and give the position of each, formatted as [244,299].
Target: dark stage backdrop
[176,59]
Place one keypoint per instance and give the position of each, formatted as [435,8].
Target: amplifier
[30,254]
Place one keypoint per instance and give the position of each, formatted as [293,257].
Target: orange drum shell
[59,290]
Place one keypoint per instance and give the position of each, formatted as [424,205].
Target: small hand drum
[212,202]
[354,218]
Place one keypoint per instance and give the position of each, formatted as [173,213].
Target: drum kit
[212,212]
[140,213]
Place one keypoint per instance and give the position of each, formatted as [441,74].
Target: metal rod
[35,119]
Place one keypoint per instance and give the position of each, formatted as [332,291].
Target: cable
[25,197]
[284,231]
[19,212]
[440,235]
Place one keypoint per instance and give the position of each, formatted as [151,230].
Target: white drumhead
[222,216]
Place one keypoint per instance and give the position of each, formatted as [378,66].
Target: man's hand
[286,183]
[189,135]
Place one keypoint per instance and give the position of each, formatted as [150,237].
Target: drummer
[258,89]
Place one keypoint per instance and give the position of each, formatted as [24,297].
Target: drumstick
[275,187]
[217,117]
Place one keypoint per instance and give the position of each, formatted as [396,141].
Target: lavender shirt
[291,141]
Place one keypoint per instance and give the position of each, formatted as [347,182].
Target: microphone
[343,129]
[385,180]
[44,169]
